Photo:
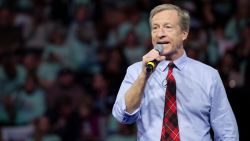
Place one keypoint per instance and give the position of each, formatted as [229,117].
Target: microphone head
[159,48]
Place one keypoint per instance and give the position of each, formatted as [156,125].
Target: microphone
[152,64]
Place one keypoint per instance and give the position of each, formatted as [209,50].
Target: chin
[169,52]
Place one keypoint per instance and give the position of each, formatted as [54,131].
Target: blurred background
[62,62]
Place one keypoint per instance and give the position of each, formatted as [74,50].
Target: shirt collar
[179,63]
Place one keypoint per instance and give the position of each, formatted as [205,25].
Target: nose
[160,33]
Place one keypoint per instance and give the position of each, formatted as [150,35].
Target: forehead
[169,16]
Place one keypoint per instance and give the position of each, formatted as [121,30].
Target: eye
[154,27]
[168,26]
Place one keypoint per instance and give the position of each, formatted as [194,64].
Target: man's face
[165,30]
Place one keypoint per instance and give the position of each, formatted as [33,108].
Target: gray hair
[184,18]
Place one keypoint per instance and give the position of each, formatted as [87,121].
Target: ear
[184,35]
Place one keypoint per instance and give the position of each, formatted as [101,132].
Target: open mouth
[162,43]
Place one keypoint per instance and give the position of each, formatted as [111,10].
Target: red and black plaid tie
[170,130]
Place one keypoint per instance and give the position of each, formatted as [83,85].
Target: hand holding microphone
[154,58]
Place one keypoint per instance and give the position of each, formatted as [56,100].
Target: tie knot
[171,65]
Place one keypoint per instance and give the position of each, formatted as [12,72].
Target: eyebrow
[155,24]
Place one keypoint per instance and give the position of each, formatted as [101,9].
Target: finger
[160,58]
[150,57]
[153,52]
[150,54]
[147,59]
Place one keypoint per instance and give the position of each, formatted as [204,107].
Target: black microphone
[152,64]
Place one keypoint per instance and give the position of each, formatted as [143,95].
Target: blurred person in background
[62,119]
[135,21]
[89,122]
[242,52]
[31,60]
[81,19]
[113,37]
[65,85]
[58,47]
[82,39]
[125,133]
[30,101]
[237,21]
[12,77]
[12,74]
[103,98]
[230,71]
[47,71]
[114,68]
[10,35]
[36,25]
[83,51]
[42,131]
[132,49]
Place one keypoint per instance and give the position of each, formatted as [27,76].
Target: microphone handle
[150,66]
